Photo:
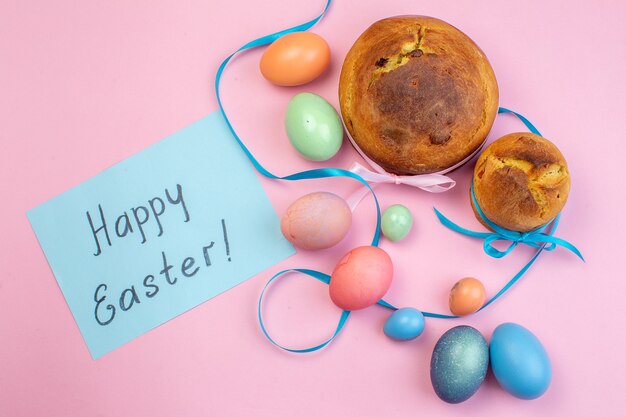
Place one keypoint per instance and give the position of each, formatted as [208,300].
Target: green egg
[313,127]
[397,222]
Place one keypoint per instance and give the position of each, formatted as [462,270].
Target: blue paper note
[159,233]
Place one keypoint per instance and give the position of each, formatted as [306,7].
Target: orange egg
[295,59]
[467,296]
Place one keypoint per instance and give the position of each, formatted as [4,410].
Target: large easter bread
[417,95]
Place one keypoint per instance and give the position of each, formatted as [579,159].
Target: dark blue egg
[519,361]
[404,324]
[459,364]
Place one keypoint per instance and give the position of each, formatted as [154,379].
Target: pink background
[86,84]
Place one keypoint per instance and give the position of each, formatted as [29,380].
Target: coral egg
[361,278]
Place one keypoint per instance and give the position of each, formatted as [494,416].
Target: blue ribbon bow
[536,238]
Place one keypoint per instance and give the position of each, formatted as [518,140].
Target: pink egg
[316,221]
[361,278]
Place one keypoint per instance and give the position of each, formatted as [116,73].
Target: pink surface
[85,84]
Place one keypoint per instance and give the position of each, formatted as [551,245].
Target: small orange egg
[467,296]
[295,59]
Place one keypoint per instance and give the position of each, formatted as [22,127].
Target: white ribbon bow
[432,183]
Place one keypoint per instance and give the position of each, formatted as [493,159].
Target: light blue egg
[404,324]
[519,361]
[459,364]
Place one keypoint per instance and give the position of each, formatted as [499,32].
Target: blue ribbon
[325,278]
[524,120]
[536,238]
[305,175]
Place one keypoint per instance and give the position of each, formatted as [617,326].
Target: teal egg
[404,324]
[459,364]
[519,361]
[396,222]
[313,127]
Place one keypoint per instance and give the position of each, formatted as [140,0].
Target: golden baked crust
[417,95]
[521,181]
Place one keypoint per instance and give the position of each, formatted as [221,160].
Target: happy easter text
[143,222]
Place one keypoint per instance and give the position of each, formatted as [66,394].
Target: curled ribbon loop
[320,277]
[311,174]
